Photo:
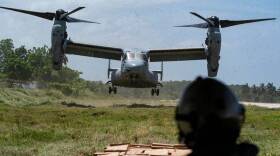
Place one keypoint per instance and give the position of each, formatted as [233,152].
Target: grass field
[36,123]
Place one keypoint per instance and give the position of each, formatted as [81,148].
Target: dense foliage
[21,65]
[34,65]
[31,64]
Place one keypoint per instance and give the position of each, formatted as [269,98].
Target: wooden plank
[117,148]
[168,146]
[140,145]
[155,149]
[181,152]
[136,151]
[157,152]
[107,154]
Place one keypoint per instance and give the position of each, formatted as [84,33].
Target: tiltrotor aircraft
[134,71]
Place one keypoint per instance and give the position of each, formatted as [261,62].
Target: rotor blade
[201,25]
[45,15]
[228,23]
[75,20]
[201,17]
[71,12]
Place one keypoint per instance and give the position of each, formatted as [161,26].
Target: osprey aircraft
[134,71]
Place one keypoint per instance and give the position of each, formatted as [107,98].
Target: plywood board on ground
[155,149]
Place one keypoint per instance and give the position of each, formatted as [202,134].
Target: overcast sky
[250,53]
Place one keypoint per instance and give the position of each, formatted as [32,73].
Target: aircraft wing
[177,54]
[93,51]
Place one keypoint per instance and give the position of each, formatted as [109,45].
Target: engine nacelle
[59,41]
[213,51]
[213,59]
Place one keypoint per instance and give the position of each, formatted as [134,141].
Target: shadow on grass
[136,105]
[73,104]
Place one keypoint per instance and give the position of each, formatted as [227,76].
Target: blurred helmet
[208,111]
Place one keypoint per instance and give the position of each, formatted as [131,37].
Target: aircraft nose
[134,66]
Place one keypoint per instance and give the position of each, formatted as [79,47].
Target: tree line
[21,64]
[31,64]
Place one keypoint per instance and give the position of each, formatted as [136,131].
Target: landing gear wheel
[115,90]
[153,92]
[157,92]
[110,90]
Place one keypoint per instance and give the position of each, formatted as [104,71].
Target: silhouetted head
[215,20]
[208,114]
[58,13]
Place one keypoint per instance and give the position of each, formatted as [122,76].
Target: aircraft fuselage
[134,72]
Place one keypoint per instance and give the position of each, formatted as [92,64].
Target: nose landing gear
[113,90]
[155,91]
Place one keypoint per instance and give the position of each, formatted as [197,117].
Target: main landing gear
[155,91]
[113,90]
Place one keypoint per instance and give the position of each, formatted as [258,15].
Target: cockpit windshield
[130,56]
[135,56]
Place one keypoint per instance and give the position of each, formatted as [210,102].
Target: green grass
[27,97]
[263,128]
[57,130]
[35,123]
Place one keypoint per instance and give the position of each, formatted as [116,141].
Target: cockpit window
[132,56]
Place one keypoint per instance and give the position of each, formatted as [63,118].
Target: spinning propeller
[214,21]
[58,15]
